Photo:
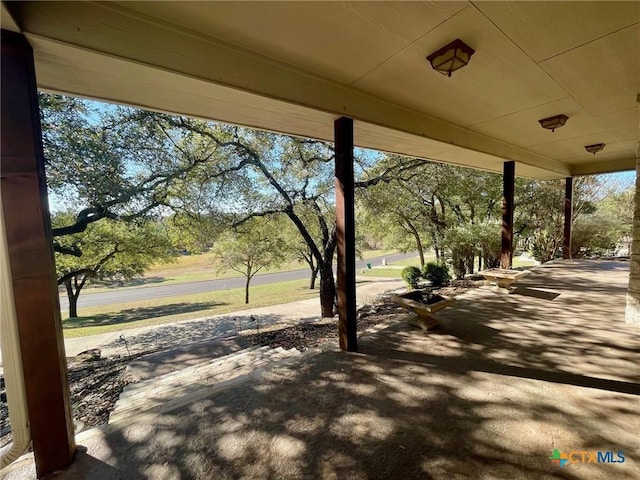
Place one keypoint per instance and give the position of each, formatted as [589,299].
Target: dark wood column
[508,183]
[26,212]
[568,214]
[345,235]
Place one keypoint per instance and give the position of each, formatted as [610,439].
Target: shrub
[461,241]
[437,273]
[411,275]
[489,242]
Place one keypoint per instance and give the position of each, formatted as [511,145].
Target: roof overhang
[226,61]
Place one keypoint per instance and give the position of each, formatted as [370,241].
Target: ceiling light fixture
[551,123]
[595,148]
[451,57]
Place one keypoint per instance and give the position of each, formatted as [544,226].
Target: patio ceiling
[295,67]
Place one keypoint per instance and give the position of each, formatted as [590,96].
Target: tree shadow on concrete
[539,376]
[338,415]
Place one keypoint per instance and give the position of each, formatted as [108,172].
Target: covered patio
[508,379]
[357,74]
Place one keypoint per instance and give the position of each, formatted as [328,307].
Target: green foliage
[539,217]
[414,213]
[113,250]
[607,224]
[437,274]
[193,233]
[462,244]
[411,275]
[489,242]
[618,205]
[250,248]
[539,212]
[594,235]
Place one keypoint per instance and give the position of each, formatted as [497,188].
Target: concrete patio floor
[508,379]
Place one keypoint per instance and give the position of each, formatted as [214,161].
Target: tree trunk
[314,275]
[327,288]
[416,236]
[246,290]
[73,299]
[434,239]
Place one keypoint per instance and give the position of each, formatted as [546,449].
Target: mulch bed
[425,297]
[95,387]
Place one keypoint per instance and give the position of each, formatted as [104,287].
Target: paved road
[121,295]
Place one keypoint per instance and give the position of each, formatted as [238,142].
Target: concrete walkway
[507,381]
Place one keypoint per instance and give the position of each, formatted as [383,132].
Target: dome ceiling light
[451,57]
[595,148]
[551,123]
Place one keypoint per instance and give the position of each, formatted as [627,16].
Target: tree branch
[392,173]
[264,213]
[83,271]
[83,219]
[75,251]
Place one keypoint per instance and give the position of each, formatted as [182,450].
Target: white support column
[632,314]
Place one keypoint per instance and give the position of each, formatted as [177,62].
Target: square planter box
[503,278]
[424,304]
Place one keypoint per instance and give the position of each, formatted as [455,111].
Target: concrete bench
[503,278]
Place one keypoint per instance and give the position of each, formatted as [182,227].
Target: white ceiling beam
[118,32]
[7,22]
[604,166]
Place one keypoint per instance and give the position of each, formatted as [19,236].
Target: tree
[489,242]
[539,212]
[462,243]
[259,174]
[392,212]
[407,211]
[295,244]
[249,248]
[106,162]
[600,231]
[110,251]
[423,209]
[129,164]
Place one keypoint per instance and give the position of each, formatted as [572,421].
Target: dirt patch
[423,296]
[94,386]
[313,334]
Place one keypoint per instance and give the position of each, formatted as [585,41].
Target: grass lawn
[415,261]
[522,263]
[184,307]
[136,314]
[382,272]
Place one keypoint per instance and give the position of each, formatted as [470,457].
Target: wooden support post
[345,235]
[568,214]
[26,213]
[508,182]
